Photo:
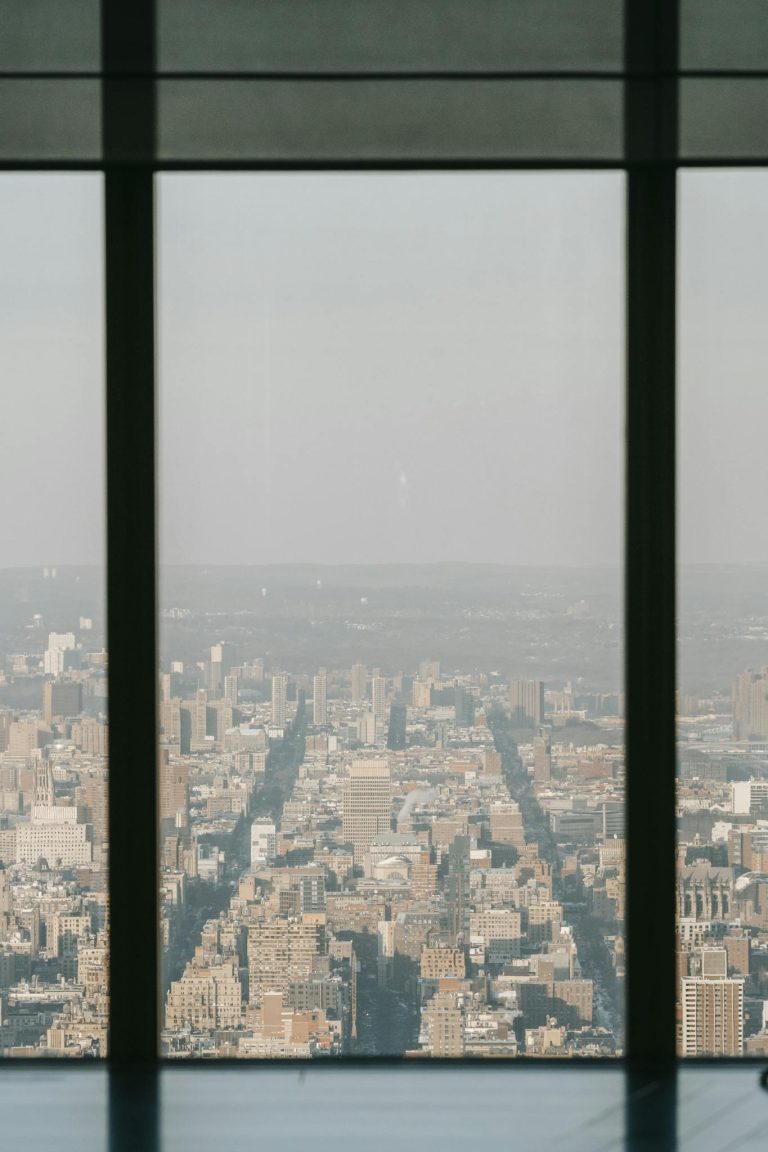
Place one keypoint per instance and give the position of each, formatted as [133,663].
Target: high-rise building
[463,708]
[506,823]
[749,697]
[174,791]
[263,843]
[445,1025]
[55,658]
[280,952]
[320,699]
[526,698]
[231,690]
[398,719]
[542,755]
[223,654]
[367,804]
[62,698]
[429,670]
[713,1009]
[359,683]
[379,693]
[44,787]
[279,696]
[492,762]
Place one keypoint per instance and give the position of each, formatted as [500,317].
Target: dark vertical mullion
[651,146]
[128,143]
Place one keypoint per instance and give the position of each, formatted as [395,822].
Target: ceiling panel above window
[390,36]
[379,120]
[50,36]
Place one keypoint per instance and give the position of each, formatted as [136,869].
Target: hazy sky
[381,367]
[391,367]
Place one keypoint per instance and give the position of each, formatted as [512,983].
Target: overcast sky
[381,367]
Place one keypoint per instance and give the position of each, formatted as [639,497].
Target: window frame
[651,161]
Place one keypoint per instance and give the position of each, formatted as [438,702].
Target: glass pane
[53,667]
[391,763]
[235,120]
[722,884]
[390,35]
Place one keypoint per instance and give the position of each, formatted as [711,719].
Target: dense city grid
[361,858]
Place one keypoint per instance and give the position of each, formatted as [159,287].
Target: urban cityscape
[418,856]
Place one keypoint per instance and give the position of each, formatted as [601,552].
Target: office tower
[713,1009]
[749,697]
[542,755]
[359,682]
[463,708]
[62,698]
[379,693]
[263,843]
[279,695]
[429,670]
[319,699]
[398,717]
[526,698]
[231,690]
[367,804]
[312,892]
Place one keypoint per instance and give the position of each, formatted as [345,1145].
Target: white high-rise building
[263,843]
[367,804]
[379,690]
[58,644]
[320,699]
[279,694]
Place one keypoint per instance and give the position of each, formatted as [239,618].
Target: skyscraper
[231,690]
[526,698]
[367,804]
[379,692]
[320,701]
[279,693]
[62,698]
[398,717]
[749,696]
[542,754]
[44,787]
[359,682]
[463,707]
[713,1009]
